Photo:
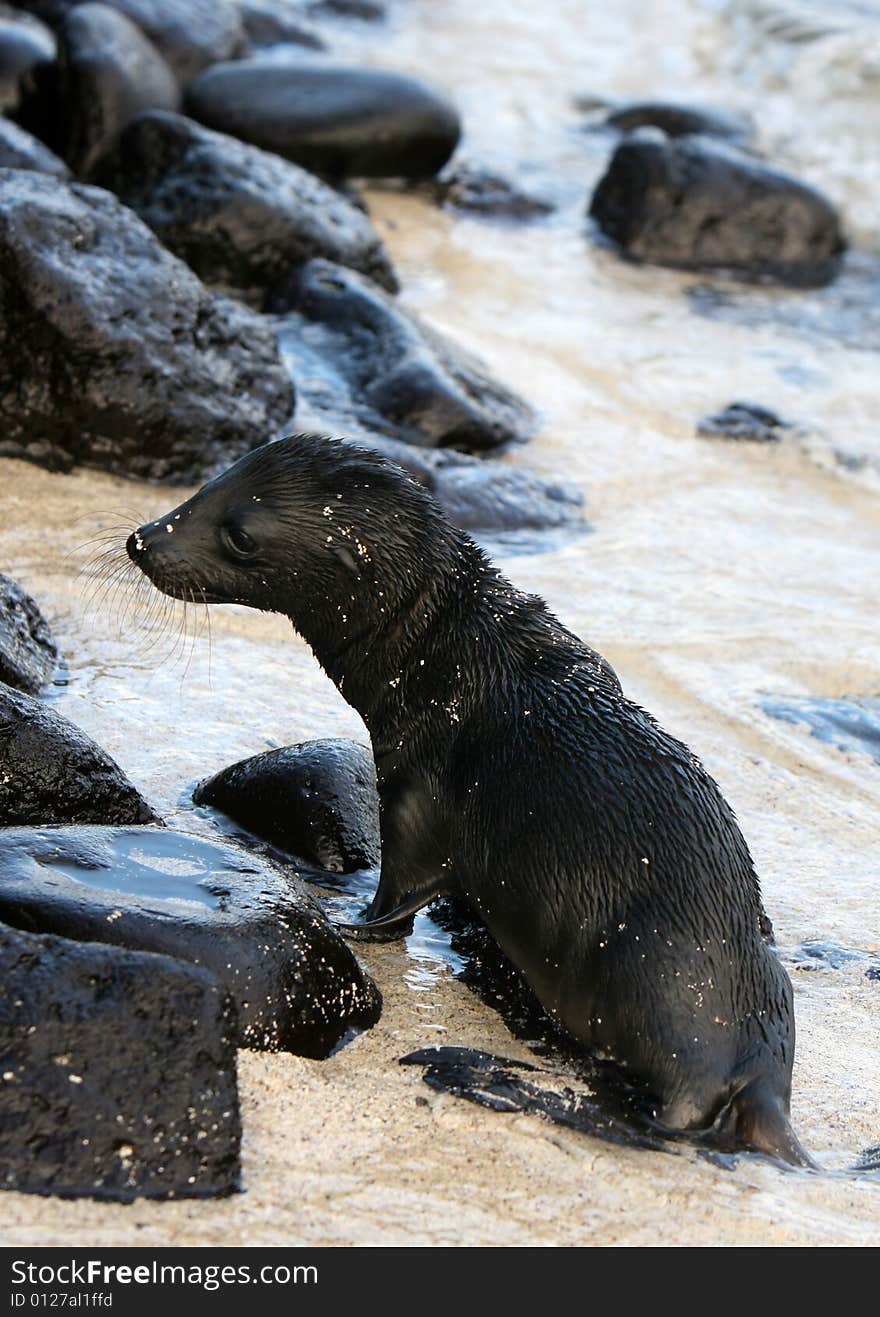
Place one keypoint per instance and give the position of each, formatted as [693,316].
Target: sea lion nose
[140,541]
[136,545]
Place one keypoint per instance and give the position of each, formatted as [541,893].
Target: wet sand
[718,575]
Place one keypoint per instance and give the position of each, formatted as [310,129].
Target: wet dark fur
[513,771]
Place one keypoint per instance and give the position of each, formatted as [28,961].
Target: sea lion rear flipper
[758,1121]
[397,923]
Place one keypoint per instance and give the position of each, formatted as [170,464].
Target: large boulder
[118,1073]
[402,377]
[107,73]
[25,44]
[296,985]
[28,653]
[340,121]
[317,800]
[240,217]
[695,203]
[51,772]
[190,34]
[112,353]
[19,149]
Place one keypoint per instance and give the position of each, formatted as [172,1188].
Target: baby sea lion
[514,772]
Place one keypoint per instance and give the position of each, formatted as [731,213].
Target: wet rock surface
[28,652]
[848,724]
[190,34]
[744,420]
[402,378]
[680,120]
[317,800]
[296,985]
[107,73]
[51,772]
[118,1073]
[339,121]
[112,353]
[19,149]
[25,43]
[240,217]
[695,203]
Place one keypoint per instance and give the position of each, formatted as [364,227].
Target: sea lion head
[331,534]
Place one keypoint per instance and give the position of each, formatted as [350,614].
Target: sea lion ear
[346,557]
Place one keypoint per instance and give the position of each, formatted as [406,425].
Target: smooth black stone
[28,653]
[401,376]
[848,724]
[240,217]
[107,73]
[25,43]
[339,121]
[112,353]
[477,191]
[51,772]
[277,22]
[19,149]
[744,420]
[190,34]
[681,120]
[118,1073]
[696,203]
[296,985]
[317,800]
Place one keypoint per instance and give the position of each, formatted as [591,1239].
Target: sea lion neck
[389,638]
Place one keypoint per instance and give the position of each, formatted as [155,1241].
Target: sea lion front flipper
[396,924]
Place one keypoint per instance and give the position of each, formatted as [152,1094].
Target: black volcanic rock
[51,772]
[296,985]
[118,1073]
[401,375]
[28,653]
[339,121]
[19,149]
[107,73]
[317,800]
[240,217]
[695,203]
[112,353]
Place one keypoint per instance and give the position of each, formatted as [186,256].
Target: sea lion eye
[238,542]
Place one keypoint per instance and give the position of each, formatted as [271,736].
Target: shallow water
[719,577]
